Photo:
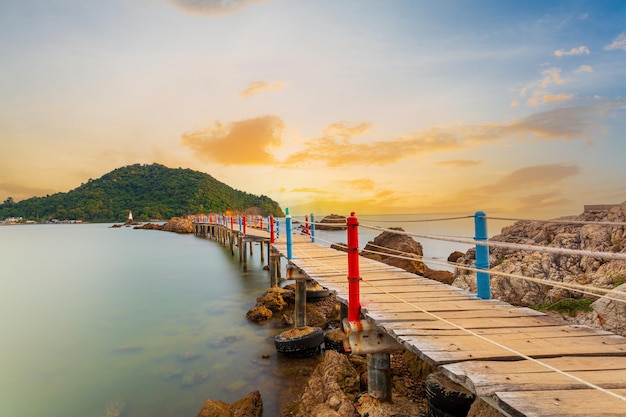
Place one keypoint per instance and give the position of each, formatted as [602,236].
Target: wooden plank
[576,403]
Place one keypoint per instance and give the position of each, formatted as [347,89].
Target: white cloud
[584,68]
[574,51]
[551,75]
[618,43]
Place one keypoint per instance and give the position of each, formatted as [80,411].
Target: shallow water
[98,321]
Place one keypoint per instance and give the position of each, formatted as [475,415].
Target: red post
[244,225]
[232,227]
[306,225]
[271,229]
[354,276]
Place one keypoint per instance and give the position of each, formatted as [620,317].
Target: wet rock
[259,314]
[272,299]
[249,406]
[445,277]
[149,226]
[188,356]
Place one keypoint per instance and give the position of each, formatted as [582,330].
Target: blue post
[312,228]
[269,219]
[288,232]
[240,226]
[483,284]
[277,229]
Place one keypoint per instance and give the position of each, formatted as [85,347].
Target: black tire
[433,411]
[333,345]
[447,396]
[306,345]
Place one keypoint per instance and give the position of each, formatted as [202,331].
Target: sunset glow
[325,106]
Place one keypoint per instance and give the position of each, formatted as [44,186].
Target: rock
[272,299]
[480,408]
[454,256]
[259,314]
[338,223]
[114,409]
[179,225]
[396,244]
[331,389]
[445,277]
[149,226]
[580,270]
[608,314]
[249,406]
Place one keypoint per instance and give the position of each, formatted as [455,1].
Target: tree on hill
[150,191]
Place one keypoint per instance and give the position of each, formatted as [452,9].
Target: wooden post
[245,258]
[262,255]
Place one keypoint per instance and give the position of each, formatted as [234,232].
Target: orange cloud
[212,7]
[513,185]
[346,129]
[257,87]
[540,97]
[460,163]
[245,142]
[564,123]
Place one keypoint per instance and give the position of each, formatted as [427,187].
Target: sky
[509,107]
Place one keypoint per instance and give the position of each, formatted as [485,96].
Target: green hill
[150,191]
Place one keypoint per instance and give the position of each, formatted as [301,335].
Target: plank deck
[521,361]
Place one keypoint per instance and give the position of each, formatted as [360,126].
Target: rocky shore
[337,386]
[584,271]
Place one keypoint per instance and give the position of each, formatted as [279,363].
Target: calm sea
[97,321]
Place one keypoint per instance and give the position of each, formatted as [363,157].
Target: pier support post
[379,376]
[312,228]
[483,284]
[300,302]
[245,257]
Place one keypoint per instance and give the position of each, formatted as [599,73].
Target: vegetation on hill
[150,191]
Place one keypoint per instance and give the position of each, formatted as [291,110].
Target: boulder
[272,299]
[608,314]
[331,389]
[334,222]
[259,314]
[249,406]
[179,225]
[389,243]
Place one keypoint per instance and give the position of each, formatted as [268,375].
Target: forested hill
[150,191]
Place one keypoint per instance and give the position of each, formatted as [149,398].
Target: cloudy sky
[398,106]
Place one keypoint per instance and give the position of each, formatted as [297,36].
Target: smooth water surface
[97,321]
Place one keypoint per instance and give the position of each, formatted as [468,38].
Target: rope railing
[508,245]
[472,333]
[560,221]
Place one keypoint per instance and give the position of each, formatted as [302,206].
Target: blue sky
[403,106]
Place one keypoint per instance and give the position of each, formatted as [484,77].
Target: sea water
[100,321]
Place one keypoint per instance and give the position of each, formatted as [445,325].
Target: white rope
[470,332]
[560,221]
[507,245]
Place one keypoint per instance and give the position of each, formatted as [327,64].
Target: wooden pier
[522,362]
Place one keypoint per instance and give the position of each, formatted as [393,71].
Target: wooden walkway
[428,318]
